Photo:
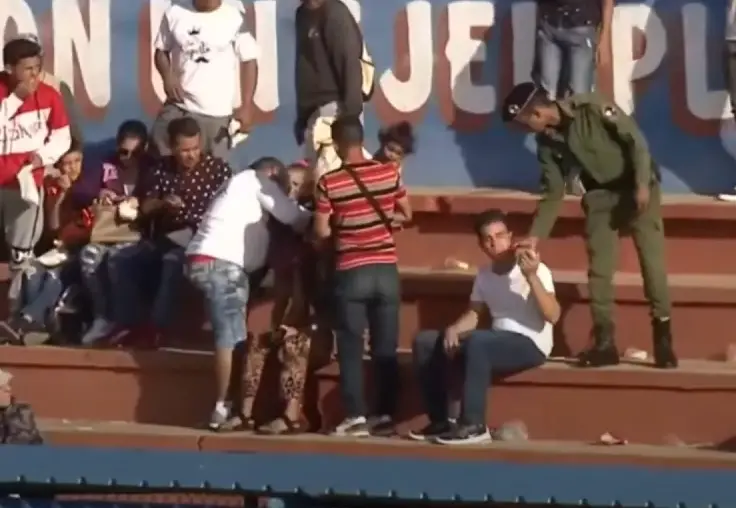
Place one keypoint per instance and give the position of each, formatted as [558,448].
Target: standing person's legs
[488,353]
[23,229]
[601,242]
[729,69]
[579,44]
[354,288]
[550,58]
[383,327]
[215,136]
[225,286]
[159,145]
[648,232]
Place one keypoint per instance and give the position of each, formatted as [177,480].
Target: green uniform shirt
[600,139]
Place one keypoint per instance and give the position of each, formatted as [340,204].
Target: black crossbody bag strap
[370,197]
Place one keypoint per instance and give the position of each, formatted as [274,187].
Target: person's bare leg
[223,372]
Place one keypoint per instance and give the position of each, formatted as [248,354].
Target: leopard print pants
[293,353]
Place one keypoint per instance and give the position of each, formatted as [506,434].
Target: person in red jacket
[44,280]
[34,134]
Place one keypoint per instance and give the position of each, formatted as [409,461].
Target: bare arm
[247,51]
[607,7]
[403,206]
[546,300]
[162,62]
[323,212]
[469,320]
[55,216]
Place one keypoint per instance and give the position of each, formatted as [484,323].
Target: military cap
[517,100]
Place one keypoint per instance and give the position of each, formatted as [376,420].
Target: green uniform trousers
[607,214]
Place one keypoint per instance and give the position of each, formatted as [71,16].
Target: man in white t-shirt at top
[517,290]
[198,51]
[230,244]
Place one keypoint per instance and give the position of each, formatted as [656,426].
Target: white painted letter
[93,49]
[626,69]
[702,103]
[462,50]
[21,14]
[412,94]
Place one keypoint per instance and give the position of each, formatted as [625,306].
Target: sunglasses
[124,153]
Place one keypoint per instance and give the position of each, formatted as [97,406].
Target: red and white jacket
[37,125]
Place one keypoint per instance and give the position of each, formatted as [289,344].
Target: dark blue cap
[517,100]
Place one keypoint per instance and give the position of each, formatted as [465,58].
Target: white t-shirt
[206,49]
[234,228]
[512,305]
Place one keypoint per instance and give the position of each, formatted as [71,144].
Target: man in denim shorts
[231,243]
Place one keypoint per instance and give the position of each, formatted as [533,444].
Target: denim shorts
[225,286]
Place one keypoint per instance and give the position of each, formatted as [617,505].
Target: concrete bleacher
[151,394]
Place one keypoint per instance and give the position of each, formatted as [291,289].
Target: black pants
[368,297]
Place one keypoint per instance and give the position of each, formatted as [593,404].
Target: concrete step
[698,229]
[96,433]
[561,402]
[557,402]
[433,298]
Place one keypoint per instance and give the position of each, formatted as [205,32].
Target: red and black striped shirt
[361,238]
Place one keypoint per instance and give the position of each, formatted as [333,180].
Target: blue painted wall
[678,92]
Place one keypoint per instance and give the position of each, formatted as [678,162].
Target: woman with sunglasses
[121,180]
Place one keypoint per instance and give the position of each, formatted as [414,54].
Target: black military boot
[603,352]
[664,355]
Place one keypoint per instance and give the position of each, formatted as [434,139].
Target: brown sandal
[280,426]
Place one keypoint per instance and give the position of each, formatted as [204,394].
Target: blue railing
[321,476]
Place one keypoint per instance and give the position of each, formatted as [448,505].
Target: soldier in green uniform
[622,193]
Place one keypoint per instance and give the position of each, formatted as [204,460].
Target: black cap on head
[517,100]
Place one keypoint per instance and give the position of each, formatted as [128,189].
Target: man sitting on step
[517,289]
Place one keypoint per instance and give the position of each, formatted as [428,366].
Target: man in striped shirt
[356,206]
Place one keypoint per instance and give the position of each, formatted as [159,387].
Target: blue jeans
[93,261]
[148,271]
[368,296]
[575,47]
[225,286]
[483,353]
[41,288]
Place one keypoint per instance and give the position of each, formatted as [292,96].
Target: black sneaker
[381,426]
[432,431]
[464,434]
[356,426]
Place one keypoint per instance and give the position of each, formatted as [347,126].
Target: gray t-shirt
[731,21]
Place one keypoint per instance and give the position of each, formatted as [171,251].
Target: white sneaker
[218,417]
[101,328]
[352,427]
[731,198]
